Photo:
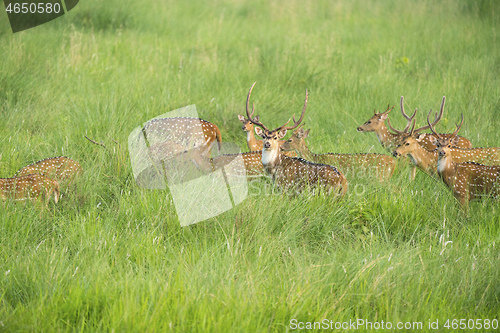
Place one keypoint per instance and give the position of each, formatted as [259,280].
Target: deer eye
[407,144]
[368,122]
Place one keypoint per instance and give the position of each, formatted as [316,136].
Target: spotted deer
[291,172]
[252,163]
[378,165]
[467,180]
[427,160]
[62,169]
[391,140]
[31,187]
[168,136]
[255,144]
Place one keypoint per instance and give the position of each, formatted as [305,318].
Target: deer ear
[455,141]
[433,139]
[282,133]
[306,133]
[241,118]
[259,131]
[420,137]
[256,118]
[383,116]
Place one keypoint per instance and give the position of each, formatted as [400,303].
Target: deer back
[62,169]
[299,173]
[365,164]
[471,180]
[184,131]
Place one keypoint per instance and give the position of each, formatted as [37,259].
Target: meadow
[111,256]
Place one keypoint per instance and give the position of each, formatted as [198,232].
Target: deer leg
[413,172]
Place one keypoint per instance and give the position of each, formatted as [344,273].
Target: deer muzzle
[267,145]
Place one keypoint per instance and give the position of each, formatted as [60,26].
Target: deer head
[443,143]
[296,141]
[247,124]
[271,137]
[376,121]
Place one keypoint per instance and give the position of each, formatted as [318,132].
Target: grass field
[112,256]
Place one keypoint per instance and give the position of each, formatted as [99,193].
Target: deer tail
[218,137]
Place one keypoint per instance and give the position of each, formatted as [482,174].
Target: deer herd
[470,173]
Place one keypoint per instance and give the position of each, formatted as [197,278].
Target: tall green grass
[111,256]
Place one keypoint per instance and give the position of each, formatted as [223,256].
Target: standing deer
[290,172]
[427,160]
[62,169]
[349,164]
[29,187]
[466,180]
[391,140]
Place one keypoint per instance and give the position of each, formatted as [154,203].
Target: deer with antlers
[62,169]
[255,144]
[382,166]
[291,172]
[29,187]
[467,180]
[391,140]
[427,159]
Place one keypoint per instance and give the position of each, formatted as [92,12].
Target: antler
[458,127]
[437,118]
[412,128]
[398,131]
[408,118]
[296,123]
[431,126]
[249,115]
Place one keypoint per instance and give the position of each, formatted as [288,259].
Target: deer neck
[385,137]
[446,169]
[304,152]
[423,158]
[271,158]
[251,140]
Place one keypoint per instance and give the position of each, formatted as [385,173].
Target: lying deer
[467,180]
[168,134]
[253,143]
[349,164]
[252,162]
[290,172]
[29,187]
[62,169]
